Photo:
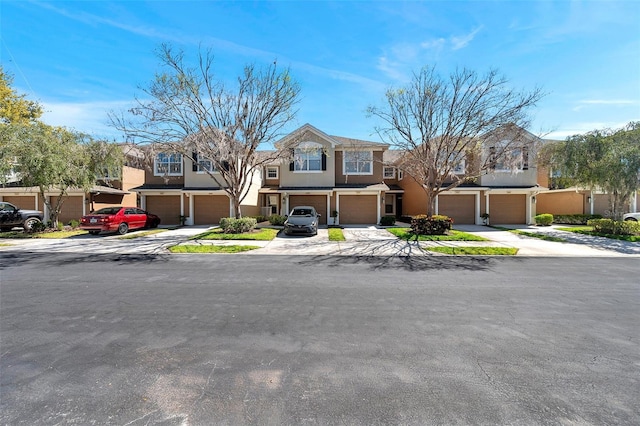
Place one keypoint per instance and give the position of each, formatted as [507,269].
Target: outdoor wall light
[589,200]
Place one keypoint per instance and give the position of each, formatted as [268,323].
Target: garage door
[165,206]
[459,207]
[317,201]
[508,209]
[358,209]
[209,209]
[71,209]
[27,203]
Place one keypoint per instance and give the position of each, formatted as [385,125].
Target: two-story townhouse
[180,190]
[332,174]
[108,191]
[506,192]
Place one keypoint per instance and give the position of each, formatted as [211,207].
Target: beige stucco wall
[324,178]
[375,177]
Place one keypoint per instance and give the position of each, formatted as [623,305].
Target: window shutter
[194,165]
[492,158]
[293,159]
[525,158]
[324,161]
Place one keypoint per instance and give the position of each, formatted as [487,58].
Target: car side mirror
[319,215]
[286,215]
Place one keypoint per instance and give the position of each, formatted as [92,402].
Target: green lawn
[50,234]
[263,234]
[405,234]
[336,234]
[141,234]
[587,230]
[478,251]
[210,248]
[538,235]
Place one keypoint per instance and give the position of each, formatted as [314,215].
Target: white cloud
[404,56]
[86,117]
[607,102]
[459,42]
[581,128]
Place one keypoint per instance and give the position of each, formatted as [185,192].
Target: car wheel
[31,223]
[123,228]
[155,224]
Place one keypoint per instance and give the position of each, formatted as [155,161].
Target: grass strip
[210,248]
[141,234]
[263,234]
[538,235]
[587,230]
[477,251]
[336,234]
[406,234]
[46,235]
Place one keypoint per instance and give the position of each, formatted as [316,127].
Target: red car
[118,219]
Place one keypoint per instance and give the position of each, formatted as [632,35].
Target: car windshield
[108,210]
[302,212]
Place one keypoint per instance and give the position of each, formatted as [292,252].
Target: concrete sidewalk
[365,240]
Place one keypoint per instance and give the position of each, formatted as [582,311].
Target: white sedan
[632,216]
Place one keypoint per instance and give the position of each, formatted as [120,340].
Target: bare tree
[187,110]
[443,124]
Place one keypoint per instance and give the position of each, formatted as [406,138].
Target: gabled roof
[359,143]
[310,129]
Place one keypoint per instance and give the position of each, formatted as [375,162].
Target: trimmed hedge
[431,225]
[544,219]
[277,220]
[231,225]
[615,227]
[388,220]
[575,219]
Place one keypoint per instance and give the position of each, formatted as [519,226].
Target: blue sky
[81,59]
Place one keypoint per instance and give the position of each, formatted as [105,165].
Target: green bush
[434,225]
[231,225]
[614,227]
[74,223]
[38,227]
[259,218]
[544,219]
[388,220]
[405,219]
[277,220]
[575,219]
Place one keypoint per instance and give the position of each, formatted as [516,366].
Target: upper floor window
[514,158]
[308,157]
[168,164]
[272,172]
[389,172]
[358,162]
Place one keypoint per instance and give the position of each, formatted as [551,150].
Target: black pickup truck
[12,216]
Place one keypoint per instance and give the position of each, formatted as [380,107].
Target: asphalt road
[219,339]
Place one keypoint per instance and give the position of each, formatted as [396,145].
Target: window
[400,174]
[272,173]
[168,164]
[307,158]
[358,163]
[205,165]
[389,172]
[515,158]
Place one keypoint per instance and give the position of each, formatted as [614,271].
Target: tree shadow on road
[399,255]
